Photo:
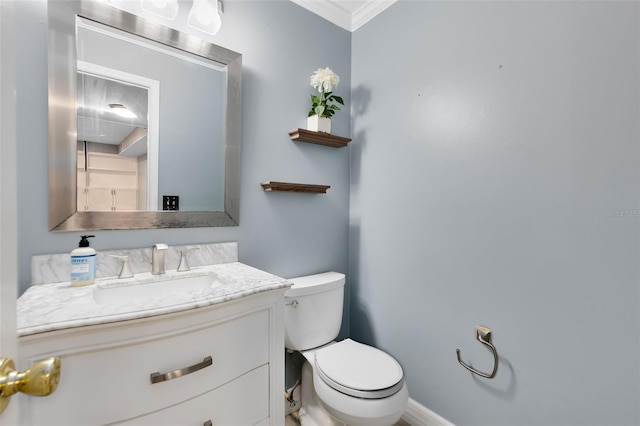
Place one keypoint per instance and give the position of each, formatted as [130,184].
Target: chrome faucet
[157,258]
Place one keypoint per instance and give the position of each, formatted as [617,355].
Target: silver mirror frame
[62,64]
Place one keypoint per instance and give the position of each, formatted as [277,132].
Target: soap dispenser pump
[83,263]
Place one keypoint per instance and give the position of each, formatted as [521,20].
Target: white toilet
[342,382]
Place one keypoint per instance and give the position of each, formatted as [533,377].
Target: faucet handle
[184,265]
[125,271]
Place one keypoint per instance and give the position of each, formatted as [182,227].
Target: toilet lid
[359,370]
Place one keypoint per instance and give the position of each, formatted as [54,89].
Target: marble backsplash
[56,268]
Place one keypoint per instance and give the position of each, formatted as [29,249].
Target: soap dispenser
[83,263]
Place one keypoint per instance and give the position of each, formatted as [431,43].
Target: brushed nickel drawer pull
[208,423]
[157,377]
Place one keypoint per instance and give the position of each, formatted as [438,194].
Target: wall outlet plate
[170,202]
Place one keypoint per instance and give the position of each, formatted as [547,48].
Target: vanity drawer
[123,389]
[244,401]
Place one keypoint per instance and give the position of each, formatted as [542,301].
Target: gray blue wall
[495,181]
[283,233]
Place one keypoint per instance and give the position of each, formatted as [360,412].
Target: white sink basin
[153,287]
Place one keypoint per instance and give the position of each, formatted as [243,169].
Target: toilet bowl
[356,384]
[344,382]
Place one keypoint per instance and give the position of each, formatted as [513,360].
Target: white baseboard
[418,415]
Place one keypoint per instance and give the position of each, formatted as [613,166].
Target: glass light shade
[167,9]
[121,110]
[204,16]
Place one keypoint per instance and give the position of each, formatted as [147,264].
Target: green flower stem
[320,105]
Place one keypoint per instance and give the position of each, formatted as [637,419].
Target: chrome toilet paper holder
[483,335]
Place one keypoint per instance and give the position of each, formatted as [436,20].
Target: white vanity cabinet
[107,368]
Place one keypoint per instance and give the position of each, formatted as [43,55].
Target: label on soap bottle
[83,269]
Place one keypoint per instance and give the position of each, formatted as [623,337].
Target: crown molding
[368,11]
[342,17]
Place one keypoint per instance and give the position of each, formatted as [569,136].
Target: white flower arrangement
[325,81]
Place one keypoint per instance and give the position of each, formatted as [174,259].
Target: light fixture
[122,111]
[167,9]
[205,16]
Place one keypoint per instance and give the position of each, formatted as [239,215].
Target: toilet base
[314,412]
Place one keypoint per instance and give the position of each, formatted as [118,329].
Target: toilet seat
[359,370]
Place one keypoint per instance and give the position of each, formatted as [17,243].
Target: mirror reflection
[147,140]
[193,123]
[112,161]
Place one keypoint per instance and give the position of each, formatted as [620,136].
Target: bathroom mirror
[192,152]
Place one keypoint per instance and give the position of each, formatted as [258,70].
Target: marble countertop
[56,306]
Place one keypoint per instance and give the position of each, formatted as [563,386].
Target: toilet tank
[313,310]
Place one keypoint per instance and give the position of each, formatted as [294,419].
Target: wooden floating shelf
[320,138]
[271,186]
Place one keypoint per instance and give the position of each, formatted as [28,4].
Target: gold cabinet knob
[41,379]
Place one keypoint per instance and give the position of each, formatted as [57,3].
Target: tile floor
[291,420]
